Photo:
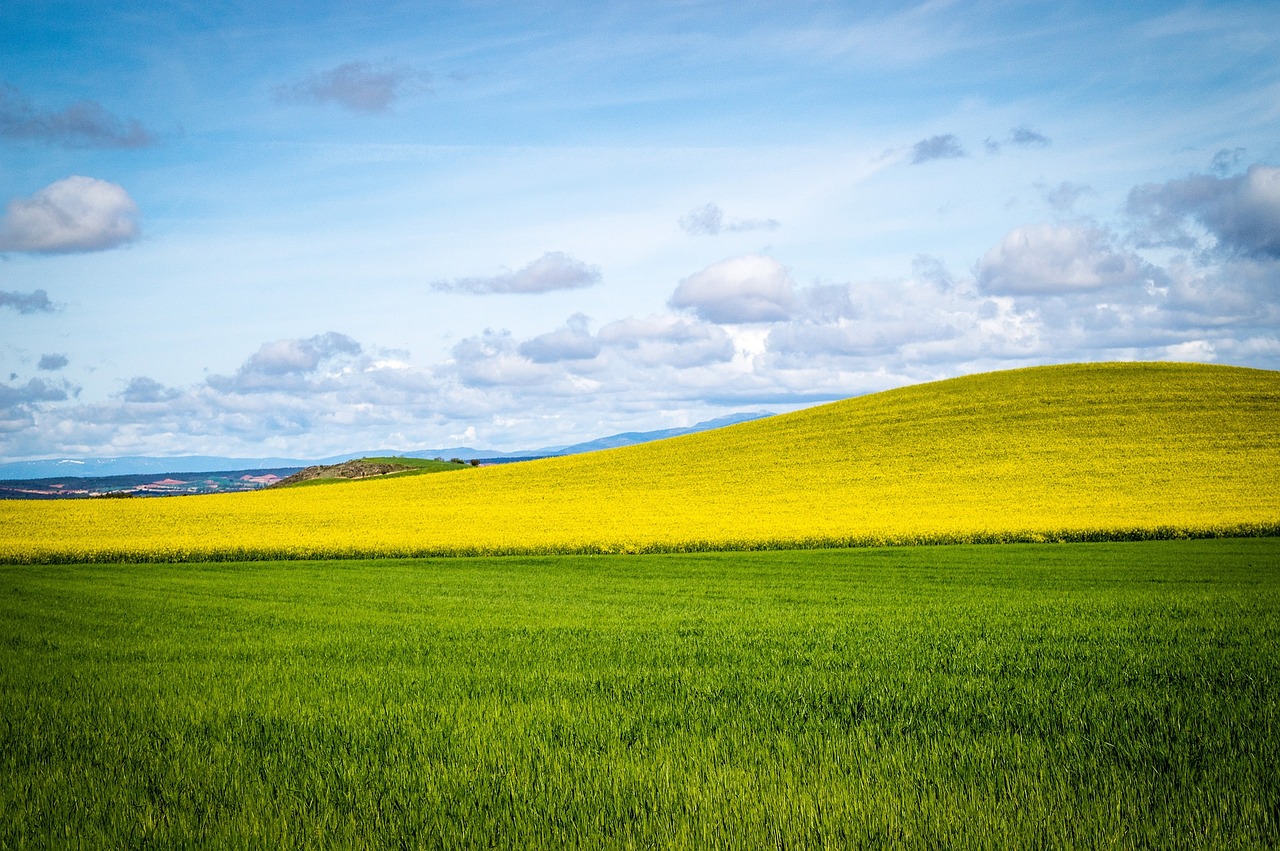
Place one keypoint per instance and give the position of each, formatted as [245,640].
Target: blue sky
[237,229]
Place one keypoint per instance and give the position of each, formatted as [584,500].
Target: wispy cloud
[1064,196]
[552,271]
[84,124]
[356,86]
[71,215]
[709,220]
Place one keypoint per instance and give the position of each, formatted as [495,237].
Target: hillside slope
[1062,452]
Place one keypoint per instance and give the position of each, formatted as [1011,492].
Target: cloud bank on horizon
[388,227]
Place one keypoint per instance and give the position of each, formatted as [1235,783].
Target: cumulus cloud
[1240,212]
[84,124]
[35,390]
[752,288]
[904,323]
[572,342]
[828,302]
[277,403]
[936,148]
[32,302]
[144,390]
[554,270]
[20,403]
[666,340]
[709,220]
[71,215]
[356,86]
[493,359]
[287,364]
[625,357]
[1046,259]
[1044,293]
[285,357]
[52,363]
[328,393]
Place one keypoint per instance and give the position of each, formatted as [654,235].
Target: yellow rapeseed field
[1075,452]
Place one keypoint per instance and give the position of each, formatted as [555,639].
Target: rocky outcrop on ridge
[346,470]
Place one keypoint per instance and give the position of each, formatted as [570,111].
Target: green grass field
[1022,696]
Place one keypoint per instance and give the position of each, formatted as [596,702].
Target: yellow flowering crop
[1051,453]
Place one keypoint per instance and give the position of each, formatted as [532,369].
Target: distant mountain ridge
[146,464]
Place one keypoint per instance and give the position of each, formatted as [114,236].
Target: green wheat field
[1121,695]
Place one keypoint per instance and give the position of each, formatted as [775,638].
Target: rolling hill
[1078,452]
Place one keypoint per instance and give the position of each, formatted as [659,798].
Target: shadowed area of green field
[1085,695]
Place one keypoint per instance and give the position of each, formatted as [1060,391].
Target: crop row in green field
[1082,696]
[1084,452]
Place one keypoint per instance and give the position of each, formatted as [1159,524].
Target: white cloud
[904,325]
[554,270]
[666,340]
[287,364]
[1045,293]
[493,359]
[751,288]
[572,342]
[1045,259]
[1192,350]
[19,404]
[73,214]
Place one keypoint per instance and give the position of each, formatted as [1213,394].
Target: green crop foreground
[1023,696]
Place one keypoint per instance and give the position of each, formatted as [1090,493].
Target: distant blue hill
[141,465]
[613,441]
